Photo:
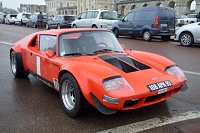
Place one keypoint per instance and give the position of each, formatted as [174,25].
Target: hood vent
[124,63]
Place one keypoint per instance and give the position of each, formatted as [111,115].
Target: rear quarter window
[69,17]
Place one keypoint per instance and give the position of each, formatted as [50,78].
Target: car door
[30,20]
[126,24]
[51,22]
[80,21]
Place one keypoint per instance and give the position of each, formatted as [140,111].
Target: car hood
[114,64]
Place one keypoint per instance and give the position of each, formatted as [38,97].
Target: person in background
[40,19]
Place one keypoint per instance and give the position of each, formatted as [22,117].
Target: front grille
[151,98]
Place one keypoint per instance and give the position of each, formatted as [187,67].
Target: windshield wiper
[72,54]
[102,50]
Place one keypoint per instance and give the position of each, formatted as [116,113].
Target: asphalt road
[27,105]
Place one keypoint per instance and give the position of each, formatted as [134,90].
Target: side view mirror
[122,45]
[49,53]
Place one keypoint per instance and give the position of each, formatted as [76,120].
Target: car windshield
[88,43]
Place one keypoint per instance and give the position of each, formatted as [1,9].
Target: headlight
[176,72]
[118,87]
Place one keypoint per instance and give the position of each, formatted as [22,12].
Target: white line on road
[189,72]
[8,43]
[153,123]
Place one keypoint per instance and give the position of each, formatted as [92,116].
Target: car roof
[61,31]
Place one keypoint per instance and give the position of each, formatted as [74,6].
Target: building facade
[31,8]
[61,7]
[180,6]
[84,5]
[121,6]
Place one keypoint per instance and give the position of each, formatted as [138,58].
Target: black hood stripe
[124,62]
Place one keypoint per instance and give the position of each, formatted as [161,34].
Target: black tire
[27,24]
[165,38]
[147,35]
[186,39]
[17,66]
[94,26]
[74,26]
[20,23]
[116,32]
[71,96]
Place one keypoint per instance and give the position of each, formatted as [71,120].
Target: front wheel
[71,96]
[186,39]
[16,64]
[147,36]
[116,32]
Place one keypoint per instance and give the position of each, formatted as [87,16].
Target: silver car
[189,34]
[96,19]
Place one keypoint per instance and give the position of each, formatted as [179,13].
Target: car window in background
[69,17]
[95,14]
[89,14]
[129,17]
[180,16]
[150,15]
[109,15]
[83,15]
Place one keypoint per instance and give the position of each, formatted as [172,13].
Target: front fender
[89,77]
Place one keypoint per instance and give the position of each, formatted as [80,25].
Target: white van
[22,18]
[96,19]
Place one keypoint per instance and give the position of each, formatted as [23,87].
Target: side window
[145,15]
[129,17]
[83,15]
[95,14]
[89,14]
[47,42]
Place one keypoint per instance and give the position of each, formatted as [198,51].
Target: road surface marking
[153,123]
[189,72]
[8,43]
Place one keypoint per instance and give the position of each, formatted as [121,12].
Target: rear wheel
[16,64]
[94,26]
[147,35]
[74,26]
[116,32]
[71,96]
[186,39]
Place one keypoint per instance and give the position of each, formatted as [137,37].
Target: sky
[14,4]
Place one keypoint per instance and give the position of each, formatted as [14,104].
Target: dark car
[33,20]
[2,18]
[147,22]
[60,21]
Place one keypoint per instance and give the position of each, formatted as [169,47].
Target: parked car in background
[147,22]
[22,18]
[33,20]
[96,19]
[60,21]
[187,35]
[10,18]
[182,19]
[2,18]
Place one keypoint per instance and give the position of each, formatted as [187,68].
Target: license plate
[159,85]
[163,24]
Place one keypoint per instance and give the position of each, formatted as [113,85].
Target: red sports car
[90,66]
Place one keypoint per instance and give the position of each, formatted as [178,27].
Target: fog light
[110,99]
